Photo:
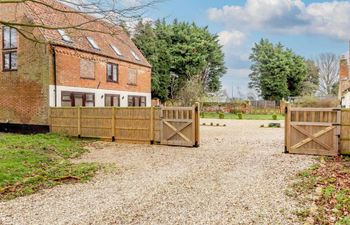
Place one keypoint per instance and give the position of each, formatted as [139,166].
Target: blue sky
[308,27]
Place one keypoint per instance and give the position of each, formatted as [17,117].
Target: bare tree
[110,13]
[191,92]
[328,65]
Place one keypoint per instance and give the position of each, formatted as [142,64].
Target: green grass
[29,163]
[214,115]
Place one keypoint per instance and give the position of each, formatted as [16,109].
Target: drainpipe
[55,74]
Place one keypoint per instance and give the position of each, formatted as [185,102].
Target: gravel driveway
[237,176]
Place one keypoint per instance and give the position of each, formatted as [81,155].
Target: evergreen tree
[277,72]
[178,52]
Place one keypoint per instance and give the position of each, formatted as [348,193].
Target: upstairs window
[64,36]
[135,55]
[116,50]
[9,51]
[93,43]
[112,72]
[9,38]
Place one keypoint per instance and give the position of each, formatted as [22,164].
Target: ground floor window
[9,61]
[112,100]
[78,99]
[136,101]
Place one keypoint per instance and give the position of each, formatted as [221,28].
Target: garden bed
[325,189]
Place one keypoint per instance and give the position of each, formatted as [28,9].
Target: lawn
[214,115]
[29,163]
[326,186]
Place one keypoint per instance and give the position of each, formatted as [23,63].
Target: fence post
[287,114]
[152,126]
[197,124]
[79,121]
[113,123]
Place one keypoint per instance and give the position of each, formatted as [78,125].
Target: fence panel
[133,124]
[96,122]
[64,120]
[345,132]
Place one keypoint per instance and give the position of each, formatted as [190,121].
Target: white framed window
[93,43]
[64,36]
[135,55]
[116,50]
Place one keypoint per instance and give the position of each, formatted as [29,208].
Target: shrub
[240,116]
[274,117]
[311,101]
[221,115]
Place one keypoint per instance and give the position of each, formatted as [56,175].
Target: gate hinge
[286,110]
[336,124]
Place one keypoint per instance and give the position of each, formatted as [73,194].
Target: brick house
[344,82]
[90,67]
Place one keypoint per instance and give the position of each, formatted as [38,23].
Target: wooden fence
[132,125]
[345,132]
[317,131]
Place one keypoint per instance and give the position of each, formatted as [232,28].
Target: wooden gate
[312,131]
[180,126]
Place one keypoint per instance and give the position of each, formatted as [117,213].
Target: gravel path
[237,176]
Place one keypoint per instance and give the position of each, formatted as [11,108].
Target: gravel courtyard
[237,176]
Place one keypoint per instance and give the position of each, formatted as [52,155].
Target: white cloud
[231,38]
[330,19]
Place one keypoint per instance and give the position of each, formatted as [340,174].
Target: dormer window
[116,50]
[64,36]
[93,43]
[135,55]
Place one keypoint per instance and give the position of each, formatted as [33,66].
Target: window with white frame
[116,50]
[93,43]
[135,55]
[64,36]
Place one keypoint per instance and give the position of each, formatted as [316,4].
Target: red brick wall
[344,76]
[68,72]
[343,70]
[24,93]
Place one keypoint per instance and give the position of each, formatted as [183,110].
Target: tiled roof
[103,33]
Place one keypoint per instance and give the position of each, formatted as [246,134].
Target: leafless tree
[108,12]
[191,92]
[328,65]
